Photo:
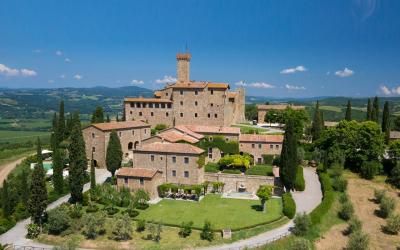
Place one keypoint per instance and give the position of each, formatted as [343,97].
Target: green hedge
[228,147]
[231,171]
[264,170]
[299,183]
[211,167]
[327,201]
[268,159]
[289,206]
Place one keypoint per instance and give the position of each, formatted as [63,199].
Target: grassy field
[222,213]
[248,129]
[331,108]
[7,136]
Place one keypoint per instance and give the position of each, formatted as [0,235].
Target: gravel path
[16,235]
[306,201]
[6,169]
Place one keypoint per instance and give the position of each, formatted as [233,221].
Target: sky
[280,48]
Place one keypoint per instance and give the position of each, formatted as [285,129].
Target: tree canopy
[289,162]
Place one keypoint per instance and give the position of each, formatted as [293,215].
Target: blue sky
[280,48]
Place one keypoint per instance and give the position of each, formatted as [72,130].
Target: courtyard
[221,212]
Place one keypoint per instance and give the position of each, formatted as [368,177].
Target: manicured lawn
[265,170]
[221,212]
[248,129]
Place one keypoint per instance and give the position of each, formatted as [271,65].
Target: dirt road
[6,168]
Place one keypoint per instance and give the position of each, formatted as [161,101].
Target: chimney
[183,66]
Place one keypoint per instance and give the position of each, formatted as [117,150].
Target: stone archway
[130,145]
[136,145]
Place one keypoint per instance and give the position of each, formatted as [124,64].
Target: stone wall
[258,149]
[149,184]
[234,181]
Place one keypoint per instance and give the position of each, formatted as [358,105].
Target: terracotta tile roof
[232,95]
[215,85]
[157,94]
[394,135]
[136,172]
[260,138]
[184,129]
[277,106]
[213,129]
[189,85]
[141,99]
[166,147]
[120,125]
[183,56]
[175,136]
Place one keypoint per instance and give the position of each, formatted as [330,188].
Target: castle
[188,102]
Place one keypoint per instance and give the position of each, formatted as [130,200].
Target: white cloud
[166,79]
[299,68]
[137,82]
[62,76]
[50,81]
[78,77]
[344,73]
[294,87]
[241,84]
[261,85]
[396,90]
[59,53]
[7,71]
[67,60]
[28,72]
[385,90]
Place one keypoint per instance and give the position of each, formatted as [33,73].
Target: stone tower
[183,66]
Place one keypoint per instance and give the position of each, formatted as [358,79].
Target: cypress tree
[375,110]
[5,200]
[24,187]
[114,153]
[58,181]
[54,132]
[123,115]
[92,175]
[61,123]
[369,110]
[288,164]
[348,111]
[317,124]
[108,118]
[69,125]
[386,121]
[77,163]
[117,118]
[38,197]
[98,115]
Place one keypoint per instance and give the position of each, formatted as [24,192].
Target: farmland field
[7,136]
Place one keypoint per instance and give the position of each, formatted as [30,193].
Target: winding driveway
[306,201]
[16,235]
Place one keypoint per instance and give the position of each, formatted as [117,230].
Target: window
[181,102]
[212,92]
[120,134]
[181,114]
[166,94]
[152,157]
[161,158]
[181,92]
[215,115]
[93,149]
[174,173]
[259,160]
[277,146]
[144,105]
[186,160]
[150,105]
[126,180]
[140,113]
[133,132]
[271,146]
[222,154]
[130,145]
[138,105]
[212,104]
[130,112]
[252,145]
[186,174]
[209,115]
[196,92]
[173,159]
[145,131]
[132,105]
[152,114]
[210,153]
[141,181]
[259,145]
[93,135]
[195,103]
[195,114]
[166,114]
[163,105]
[157,105]
[169,105]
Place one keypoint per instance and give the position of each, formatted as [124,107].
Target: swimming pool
[47,165]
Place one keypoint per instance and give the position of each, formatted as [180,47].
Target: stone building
[264,108]
[259,145]
[178,162]
[189,102]
[130,133]
[140,178]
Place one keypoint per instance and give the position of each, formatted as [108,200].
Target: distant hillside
[40,103]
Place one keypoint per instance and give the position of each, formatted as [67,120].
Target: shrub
[141,198]
[299,183]
[186,229]
[33,231]
[289,206]
[140,225]
[339,184]
[110,210]
[346,211]
[354,225]
[393,224]
[231,171]
[206,232]
[336,170]
[386,206]
[327,201]
[268,159]
[211,167]
[300,244]
[394,177]
[369,169]
[94,225]
[122,228]
[6,224]
[58,220]
[75,211]
[92,208]
[343,198]
[358,241]
[235,161]
[302,224]
[132,213]
[264,170]
[142,206]
[277,161]
[379,194]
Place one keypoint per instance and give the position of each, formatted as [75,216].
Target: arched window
[130,146]
[136,145]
